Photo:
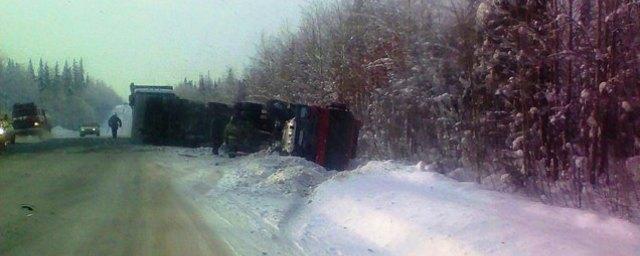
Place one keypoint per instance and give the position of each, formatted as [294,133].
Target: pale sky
[143,41]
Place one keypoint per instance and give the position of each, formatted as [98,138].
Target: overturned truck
[325,135]
[162,118]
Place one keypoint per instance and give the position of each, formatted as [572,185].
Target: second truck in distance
[28,119]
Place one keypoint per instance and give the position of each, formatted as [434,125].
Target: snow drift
[392,209]
[273,174]
[288,206]
[59,132]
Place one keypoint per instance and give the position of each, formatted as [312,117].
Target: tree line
[69,96]
[227,89]
[543,95]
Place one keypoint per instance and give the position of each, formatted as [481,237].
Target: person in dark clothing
[115,123]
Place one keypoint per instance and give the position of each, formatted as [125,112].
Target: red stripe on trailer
[322,134]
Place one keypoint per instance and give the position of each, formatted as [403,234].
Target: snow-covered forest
[65,91]
[540,95]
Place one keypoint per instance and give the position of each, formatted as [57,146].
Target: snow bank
[59,132]
[270,188]
[273,174]
[287,206]
[390,209]
[248,200]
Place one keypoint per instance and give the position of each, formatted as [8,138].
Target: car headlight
[36,124]
[2,131]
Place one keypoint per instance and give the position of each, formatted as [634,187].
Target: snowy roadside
[123,111]
[244,199]
[287,206]
[59,132]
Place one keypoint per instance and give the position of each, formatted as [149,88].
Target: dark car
[90,129]
[28,119]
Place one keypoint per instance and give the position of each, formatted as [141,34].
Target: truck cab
[28,119]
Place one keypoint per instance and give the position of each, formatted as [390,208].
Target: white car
[7,134]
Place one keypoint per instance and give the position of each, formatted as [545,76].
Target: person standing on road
[115,123]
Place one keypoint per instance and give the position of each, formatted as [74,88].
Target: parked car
[7,134]
[90,129]
[28,119]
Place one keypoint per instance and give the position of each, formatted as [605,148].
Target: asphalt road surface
[95,197]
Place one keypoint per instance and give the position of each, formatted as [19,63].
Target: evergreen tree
[81,75]
[53,91]
[47,76]
[77,76]
[42,76]
[67,79]
[30,71]
[57,79]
